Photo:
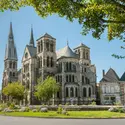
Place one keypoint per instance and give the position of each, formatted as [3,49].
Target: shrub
[12,106]
[59,110]
[27,109]
[93,103]
[3,106]
[117,104]
[121,110]
[8,104]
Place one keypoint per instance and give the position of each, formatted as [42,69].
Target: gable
[111,76]
[26,54]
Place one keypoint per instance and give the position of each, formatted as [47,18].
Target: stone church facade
[71,68]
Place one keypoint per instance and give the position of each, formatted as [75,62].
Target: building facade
[71,68]
[110,88]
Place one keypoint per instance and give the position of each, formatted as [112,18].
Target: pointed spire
[10,52]
[11,31]
[31,38]
[67,42]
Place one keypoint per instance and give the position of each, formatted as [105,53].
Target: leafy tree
[94,15]
[45,89]
[14,90]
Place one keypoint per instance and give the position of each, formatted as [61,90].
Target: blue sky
[61,29]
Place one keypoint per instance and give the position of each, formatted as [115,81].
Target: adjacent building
[110,88]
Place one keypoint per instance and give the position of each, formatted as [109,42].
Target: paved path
[4,120]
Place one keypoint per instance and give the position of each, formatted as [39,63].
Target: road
[4,120]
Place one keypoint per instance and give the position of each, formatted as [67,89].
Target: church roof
[110,76]
[123,77]
[46,35]
[82,45]
[10,52]
[32,50]
[66,52]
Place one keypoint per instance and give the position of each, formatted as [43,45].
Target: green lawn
[72,114]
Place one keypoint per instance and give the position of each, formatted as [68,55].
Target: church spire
[31,38]
[11,52]
[11,31]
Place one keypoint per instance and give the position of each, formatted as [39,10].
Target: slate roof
[81,45]
[110,76]
[46,35]
[66,52]
[32,50]
[123,77]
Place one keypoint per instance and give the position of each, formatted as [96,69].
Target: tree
[14,90]
[94,15]
[44,90]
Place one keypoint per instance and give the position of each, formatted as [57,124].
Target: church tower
[84,54]
[10,61]
[46,56]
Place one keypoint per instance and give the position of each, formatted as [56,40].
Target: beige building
[110,88]
[71,68]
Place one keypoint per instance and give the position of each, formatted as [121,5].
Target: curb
[60,117]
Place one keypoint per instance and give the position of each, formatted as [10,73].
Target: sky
[62,30]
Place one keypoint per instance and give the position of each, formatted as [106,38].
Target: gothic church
[71,68]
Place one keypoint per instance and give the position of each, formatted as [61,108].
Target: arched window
[76,92]
[14,65]
[10,73]
[73,80]
[27,84]
[84,92]
[69,78]
[83,79]
[87,56]
[71,92]
[38,47]
[10,65]
[47,46]
[41,46]
[51,47]
[26,55]
[57,94]
[41,62]
[70,66]
[47,61]
[51,61]
[74,68]
[67,93]
[89,92]
[38,62]
[14,74]
[67,66]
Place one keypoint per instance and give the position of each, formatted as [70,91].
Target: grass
[72,114]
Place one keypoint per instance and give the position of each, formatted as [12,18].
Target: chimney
[103,72]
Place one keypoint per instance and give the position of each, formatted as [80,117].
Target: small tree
[15,91]
[45,89]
